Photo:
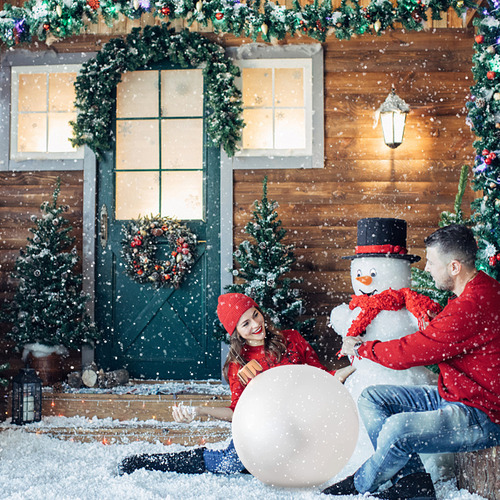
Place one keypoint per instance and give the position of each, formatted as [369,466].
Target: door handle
[103,223]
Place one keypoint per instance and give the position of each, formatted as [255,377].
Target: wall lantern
[393,117]
[26,397]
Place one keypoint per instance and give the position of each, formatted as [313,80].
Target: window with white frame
[42,107]
[276,107]
[282,93]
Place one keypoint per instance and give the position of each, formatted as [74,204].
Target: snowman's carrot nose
[366,280]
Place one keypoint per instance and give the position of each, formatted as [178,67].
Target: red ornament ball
[479,38]
[219,16]
[491,75]
[498,257]
[488,160]
[165,11]
[492,261]
[46,26]
[485,152]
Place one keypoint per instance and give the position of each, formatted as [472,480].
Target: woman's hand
[184,414]
[249,371]
[343,373]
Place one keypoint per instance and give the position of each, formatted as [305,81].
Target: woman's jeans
[223,461]
[404,421]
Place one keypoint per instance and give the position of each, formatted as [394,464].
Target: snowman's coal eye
[358,273]
[373,273]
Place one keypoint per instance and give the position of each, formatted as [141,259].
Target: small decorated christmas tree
[422,281]
[262,266]
[49,306]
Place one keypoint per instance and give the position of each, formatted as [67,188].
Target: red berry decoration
[492,261]
[165,11]
[479,38]
[492,156]
[46,26]
[491,75]
[488,160]
[498,257]
[219,16]
[485,152]
[94,4]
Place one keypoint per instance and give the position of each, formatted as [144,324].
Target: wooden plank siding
[430,70]
[21,194]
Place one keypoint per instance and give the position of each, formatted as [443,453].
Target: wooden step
[187,435]
[136,417]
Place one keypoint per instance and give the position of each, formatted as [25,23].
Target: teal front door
[161,165]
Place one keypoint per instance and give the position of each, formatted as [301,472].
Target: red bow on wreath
[390,300]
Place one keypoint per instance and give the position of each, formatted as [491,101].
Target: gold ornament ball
[496,96]
[497,125]
[493,185]
[460,4]
[490,49]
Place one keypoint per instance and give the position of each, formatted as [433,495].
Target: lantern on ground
[26,397]
[393,117]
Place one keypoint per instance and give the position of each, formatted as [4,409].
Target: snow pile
[37,467]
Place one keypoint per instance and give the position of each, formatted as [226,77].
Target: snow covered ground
[38,467]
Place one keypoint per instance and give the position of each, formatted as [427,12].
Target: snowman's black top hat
[379,237]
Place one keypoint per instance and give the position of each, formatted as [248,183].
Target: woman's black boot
[184,462]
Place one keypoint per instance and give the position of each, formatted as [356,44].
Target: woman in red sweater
[255,346]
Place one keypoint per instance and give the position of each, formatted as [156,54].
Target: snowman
[382,308]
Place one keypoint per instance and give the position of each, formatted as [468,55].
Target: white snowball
[295,426]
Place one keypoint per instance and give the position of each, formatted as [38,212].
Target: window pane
[32,133]
[182,195]
[258,132]
[182,144]
[290,131]
[257,86]
[61,91]
[60,131]
[32,92]
[182,92]
[137,95]
[289,87]
[137,144]
[137,193]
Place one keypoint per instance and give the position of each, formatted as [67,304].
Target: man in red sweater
[463,412]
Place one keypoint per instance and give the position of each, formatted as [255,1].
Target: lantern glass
[26,397]
[393,127]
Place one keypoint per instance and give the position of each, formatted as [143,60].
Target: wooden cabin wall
[21,194]
[362,177]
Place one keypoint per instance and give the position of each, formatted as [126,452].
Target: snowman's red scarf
[389,300]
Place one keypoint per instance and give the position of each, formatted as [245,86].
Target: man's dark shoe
[345,487]
[416,486]
[184,462]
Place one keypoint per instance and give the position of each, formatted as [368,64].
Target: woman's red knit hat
[230,308]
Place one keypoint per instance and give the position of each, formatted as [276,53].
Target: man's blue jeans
[403,421]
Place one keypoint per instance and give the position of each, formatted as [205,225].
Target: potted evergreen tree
[48,314]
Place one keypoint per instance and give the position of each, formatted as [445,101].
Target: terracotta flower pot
[49,368]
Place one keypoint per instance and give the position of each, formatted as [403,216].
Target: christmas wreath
[143,236]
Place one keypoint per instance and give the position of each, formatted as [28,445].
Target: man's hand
[184,414]
[348,345]
[249,371]
[425,319]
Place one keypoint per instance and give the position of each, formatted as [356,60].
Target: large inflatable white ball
[295,426]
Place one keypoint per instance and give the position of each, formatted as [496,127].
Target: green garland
[97,81]
[60,19]
[139,245]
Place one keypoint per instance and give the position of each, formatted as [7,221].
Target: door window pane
[137,144]
[137,95]
[182,144]
[182,92]
[182,194]
[136,193]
